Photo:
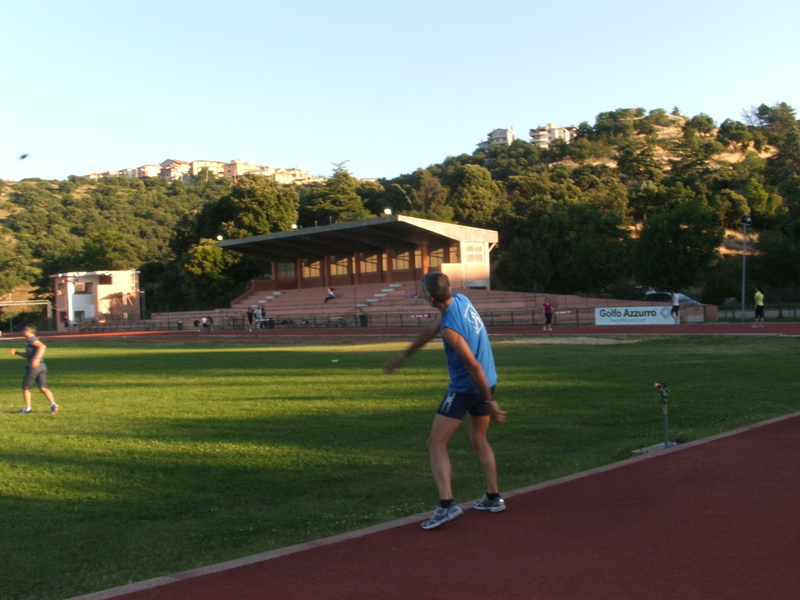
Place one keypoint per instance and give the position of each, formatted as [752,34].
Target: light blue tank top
[461,317]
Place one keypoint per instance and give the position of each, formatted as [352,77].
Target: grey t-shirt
[30,349]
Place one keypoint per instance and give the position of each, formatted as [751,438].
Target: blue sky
[388,86]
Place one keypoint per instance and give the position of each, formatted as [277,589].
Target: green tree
[14,267]
[648,198]
[429,198]
[677,245]
[373,195]
[724,281]
[601,187]
[616,124]
[445,171]
[734,134]
[563,231]
[258,206]
[557,150]
[777,261]
[523,267]
[783,168]
[696,155]
[336,200]
[730,207]
[185,232]
[164,284]
[776,121]
[659,118]
[474,196]
[588,248]
[758,199]
[583,148]
[529,198]
[701,124]
[637,162]
[208,272]
[111,250]
[518,158]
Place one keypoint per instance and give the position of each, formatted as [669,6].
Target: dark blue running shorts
[39,375]
[457,404]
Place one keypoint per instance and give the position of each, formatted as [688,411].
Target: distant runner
[548,315]
[36,370]
[759,299]
[676,308]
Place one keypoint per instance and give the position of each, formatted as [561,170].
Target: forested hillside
[639,198]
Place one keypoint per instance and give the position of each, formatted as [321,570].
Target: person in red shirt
[548,315]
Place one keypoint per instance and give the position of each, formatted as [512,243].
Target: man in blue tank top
[471,391]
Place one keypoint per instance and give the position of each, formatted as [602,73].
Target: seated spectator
[330,295]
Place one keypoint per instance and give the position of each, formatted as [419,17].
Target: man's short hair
[29,327]
[437,286]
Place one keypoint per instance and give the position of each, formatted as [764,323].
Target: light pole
[746,220]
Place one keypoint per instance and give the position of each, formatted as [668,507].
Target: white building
[175,170]
[547,134]
[237,168]
[498,137]
[96,296]
[287,176]
[146,171]
[217,167]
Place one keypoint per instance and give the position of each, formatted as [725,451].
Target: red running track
[715,519]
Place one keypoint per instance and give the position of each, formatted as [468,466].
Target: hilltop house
[175,170]
[498,137]
[546,134]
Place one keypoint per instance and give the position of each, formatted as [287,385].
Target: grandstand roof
[394,232]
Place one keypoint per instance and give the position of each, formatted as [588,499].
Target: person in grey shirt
[36,370]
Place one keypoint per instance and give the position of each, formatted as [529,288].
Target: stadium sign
[633,315]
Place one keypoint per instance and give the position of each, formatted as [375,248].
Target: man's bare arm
[425,336]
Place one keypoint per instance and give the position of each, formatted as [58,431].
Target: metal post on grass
[746,220]
[664,391]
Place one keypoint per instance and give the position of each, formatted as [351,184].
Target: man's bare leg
[442,430]
[478,426]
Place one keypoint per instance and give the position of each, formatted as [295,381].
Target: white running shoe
[443,515]
[496,505]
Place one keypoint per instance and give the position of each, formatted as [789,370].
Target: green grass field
[167,457]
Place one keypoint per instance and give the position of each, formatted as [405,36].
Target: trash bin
[364,320]
[270,323]
[180,325]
